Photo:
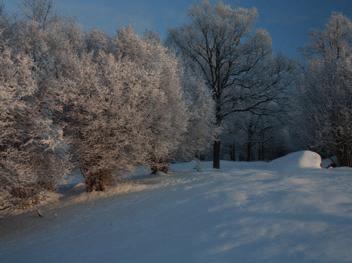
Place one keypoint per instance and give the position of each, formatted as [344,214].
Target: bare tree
[39,11]
[271,80]
[220,44]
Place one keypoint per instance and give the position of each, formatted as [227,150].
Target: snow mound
[302,159]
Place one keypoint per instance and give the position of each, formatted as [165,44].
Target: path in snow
[243,213]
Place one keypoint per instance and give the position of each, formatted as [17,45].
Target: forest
[213,89]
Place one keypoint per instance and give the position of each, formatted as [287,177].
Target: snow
[245,212]
[298,160]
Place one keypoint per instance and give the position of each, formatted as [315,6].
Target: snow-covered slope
[242,213]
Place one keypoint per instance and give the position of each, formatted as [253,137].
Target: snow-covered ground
[246,212]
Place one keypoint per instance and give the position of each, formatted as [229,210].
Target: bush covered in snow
[102,104]
[31,156]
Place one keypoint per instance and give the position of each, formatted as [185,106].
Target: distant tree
[152,36]
[271,79]
[3,17]
[38,11]
[326,93]
[97,41]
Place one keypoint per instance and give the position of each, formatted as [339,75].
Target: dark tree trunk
[249,143]
[98,181]
[216,156]
[345,156]
[217,143]
[249,151]
[233,152]
[261,150]
[160,167]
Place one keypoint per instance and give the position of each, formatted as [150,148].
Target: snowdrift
[298,160]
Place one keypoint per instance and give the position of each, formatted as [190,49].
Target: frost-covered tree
[327,90]
[168,111]
[97,41]
[119,110]
[31,154]
[219,42]
[201,129]
[38,11]
[103,107]
[107,104]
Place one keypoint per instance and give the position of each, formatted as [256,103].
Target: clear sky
[288,21]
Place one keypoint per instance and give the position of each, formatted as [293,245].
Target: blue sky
[288,21]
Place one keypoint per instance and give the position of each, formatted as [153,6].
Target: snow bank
[298,160]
